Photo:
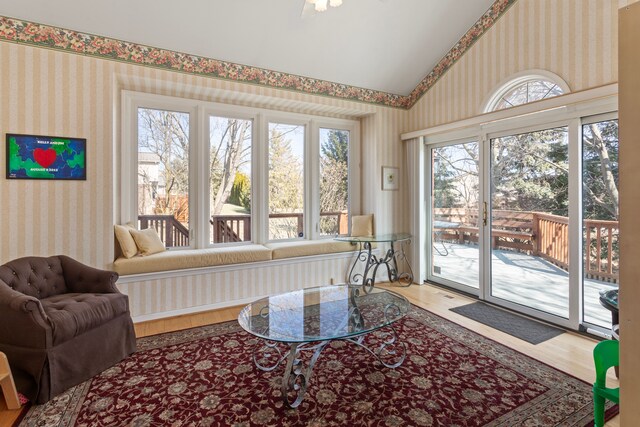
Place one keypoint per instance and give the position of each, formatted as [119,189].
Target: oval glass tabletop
[392,237]
[323,313]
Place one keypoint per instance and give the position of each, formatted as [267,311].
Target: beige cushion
[148,241]
[125,240]
[308,247]
[362,225]
[191,258]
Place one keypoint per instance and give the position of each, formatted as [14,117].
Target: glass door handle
[484,214]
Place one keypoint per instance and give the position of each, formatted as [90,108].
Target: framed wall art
[389,178]
[46,157]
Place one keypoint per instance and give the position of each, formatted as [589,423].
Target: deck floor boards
[523,279]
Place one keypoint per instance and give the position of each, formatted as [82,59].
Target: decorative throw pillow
[362,225]
[127,244]
[148,241]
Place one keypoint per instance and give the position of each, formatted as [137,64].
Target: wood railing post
[610,250]
[535,230]
[587,246]
[247,229]
[216,230]
[168,233]
[300,225]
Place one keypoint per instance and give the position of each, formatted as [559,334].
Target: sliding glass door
[529,220]
[455,259]
[601,229]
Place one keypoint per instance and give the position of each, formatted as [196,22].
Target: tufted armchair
[61,323]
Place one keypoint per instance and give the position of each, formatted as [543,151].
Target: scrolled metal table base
[296,378]
[371,264]
[267,356]
[391,353]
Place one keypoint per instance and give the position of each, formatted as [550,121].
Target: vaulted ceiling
[384,45]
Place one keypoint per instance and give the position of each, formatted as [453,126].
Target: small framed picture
[389,178]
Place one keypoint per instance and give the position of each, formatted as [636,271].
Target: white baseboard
[193,310]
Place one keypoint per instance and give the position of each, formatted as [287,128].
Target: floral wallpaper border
[46,36]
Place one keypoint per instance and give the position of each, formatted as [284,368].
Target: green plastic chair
[605,355]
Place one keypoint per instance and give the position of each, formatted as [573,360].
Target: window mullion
[575,223]
[129,161]
[199,161]
[312,181]
[260,187]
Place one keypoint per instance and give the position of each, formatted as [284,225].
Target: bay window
[205,174]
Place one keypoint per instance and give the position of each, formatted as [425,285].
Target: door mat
[512,324]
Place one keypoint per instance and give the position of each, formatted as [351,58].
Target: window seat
[295,249]
[198,258]
[191,258]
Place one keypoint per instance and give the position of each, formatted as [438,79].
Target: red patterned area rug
[206,377]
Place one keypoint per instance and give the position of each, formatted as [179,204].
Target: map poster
[46,157]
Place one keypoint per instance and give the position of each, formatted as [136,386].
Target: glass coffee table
[308,319]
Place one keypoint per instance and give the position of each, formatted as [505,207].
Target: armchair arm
[23,321]
[82,278]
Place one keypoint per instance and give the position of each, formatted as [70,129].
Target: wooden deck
[524,279]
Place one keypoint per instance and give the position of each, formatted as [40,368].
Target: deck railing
[602,251]
[538,234]
[551,238]
[231,228]
[170,230]
[237,228]
[228,228]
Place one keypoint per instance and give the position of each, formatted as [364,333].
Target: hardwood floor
[569,352]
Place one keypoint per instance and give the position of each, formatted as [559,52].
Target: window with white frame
[529,91]
[286,181]
[206,174]
[334,181]
[229,169]
[525,88]
[163,174]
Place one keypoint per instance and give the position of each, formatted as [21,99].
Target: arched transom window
[526,92]
[525,89]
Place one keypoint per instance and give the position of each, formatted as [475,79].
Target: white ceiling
[387,45]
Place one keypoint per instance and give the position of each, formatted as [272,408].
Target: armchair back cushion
[35,276]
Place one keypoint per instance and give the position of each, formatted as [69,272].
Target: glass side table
[371,262]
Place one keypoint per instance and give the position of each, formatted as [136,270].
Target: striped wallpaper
[575,39]
[54,93]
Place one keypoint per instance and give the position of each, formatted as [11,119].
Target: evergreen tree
[334,178]
[286,185]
